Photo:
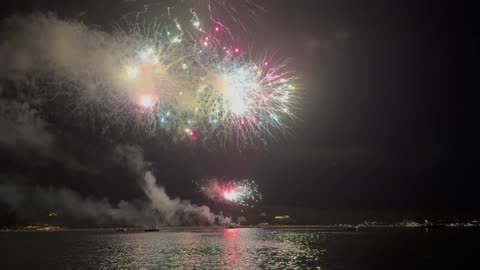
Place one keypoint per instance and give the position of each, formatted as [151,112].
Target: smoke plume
[65,71]
[35,204]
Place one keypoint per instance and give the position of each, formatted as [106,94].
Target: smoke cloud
[22,129]
[70,208]
[50,66]
[65,61]
[43,45]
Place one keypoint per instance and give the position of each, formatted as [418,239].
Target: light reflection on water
[220,249]
[245,248]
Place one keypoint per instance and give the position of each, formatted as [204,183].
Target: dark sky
[386,120]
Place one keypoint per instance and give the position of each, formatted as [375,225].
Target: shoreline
[193,228]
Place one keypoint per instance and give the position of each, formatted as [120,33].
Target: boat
[121,230]
[151,229]
[433,226]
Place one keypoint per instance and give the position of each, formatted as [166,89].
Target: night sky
[386,121]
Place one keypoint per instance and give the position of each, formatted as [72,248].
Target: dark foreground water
[254,248]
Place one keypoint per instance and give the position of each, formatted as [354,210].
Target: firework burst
[237,192]
[170,74]
[244,100]
[189,80]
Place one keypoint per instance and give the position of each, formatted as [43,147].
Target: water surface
[242,248]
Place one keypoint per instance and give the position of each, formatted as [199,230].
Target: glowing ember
[132,72]
[232,195]
[146,101]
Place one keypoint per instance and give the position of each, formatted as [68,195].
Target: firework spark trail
[237,192]
[228,11]
[219,12]
[224,95]
[243,100]
[218,93]
[178,76]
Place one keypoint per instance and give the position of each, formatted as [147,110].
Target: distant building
[367,223]
[285,219]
